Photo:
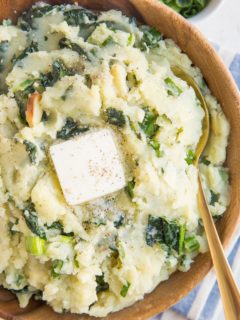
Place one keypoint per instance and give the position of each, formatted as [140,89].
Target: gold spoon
[227,285]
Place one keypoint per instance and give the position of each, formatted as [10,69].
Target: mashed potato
[63,68]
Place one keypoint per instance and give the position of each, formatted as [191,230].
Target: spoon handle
[227,285]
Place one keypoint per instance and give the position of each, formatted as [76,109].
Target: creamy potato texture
[65,71]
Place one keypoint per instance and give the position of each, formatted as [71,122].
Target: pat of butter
[88,166]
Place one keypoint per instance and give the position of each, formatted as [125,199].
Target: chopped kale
[40,11]
[29,86]
[124,289]
[71,129]
[19,280]
[59,70]
[129,188]
[150,39]
[11,225]
[115,117]
[223,172]
[191,157]
[66,92]
[17,291]
[31,218]
[172,88]
[76,17]
[187,8]
[116,25]
[119,222]
[58,229]
[57,226]
[88,80]
[56,268]
[170,233]
[205,161]
[4,45]
[149,126]
[214,198]
[33,47]
[101,284]
[21,98]
[31,150]
[27,17]
[44,117]
[66,43]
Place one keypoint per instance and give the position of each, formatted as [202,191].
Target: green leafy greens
[26,22]
[66,43]
[39,84]
[31,218]
[150,128]
[31,150]
[115,117]
[129,188]
[101,284]
[124,289]
[33,47]
[70,129]
[170,233]
[214,198]
[150,38]
[3,49]
[187,8]
[76,17]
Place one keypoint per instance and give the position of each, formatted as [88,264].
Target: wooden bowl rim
[140,310]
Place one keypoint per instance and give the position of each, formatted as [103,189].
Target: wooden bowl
[223,88]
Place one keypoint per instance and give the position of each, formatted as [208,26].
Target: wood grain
[223,87]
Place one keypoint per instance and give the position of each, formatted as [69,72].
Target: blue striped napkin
[203,302]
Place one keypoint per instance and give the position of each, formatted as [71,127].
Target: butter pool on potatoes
[73,84]
[88,166]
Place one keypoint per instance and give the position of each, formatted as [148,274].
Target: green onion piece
[172,88]
[66,239]
[35,245]
[191,157]
[24,85]
[131,39]
[181,238]
[108,41]
[129,188]
[156,146]
[124,289]
[149,126]
[191,244]
[56,268]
